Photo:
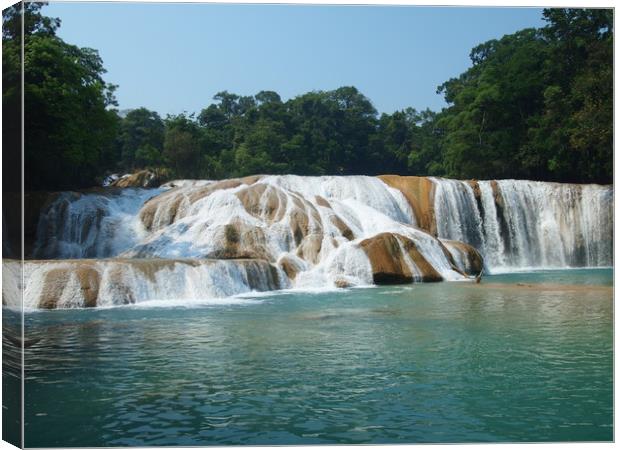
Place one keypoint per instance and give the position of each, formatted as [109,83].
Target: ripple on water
[439,363]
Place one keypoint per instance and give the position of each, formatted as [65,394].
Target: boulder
[290,265]
[466,258]
[342,283]
[388,254]
[240,240]
[310,247]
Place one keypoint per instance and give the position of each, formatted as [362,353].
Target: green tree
[536,104]
[486,124]
[69,124]
[182,146]
[141,139]
[576,128]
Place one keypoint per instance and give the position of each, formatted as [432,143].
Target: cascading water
[197,239]
[518,224]
[456,212]
[110,282]
[91,225]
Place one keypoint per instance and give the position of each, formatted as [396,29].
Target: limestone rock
[388,254]
[420,193]
[89,282]
[466,258]
[141,178]
[290,265]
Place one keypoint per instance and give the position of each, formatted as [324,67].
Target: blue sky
[174,57]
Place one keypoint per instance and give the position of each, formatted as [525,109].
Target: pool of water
[520,357]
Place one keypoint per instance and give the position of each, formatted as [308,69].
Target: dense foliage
[69,129]
[536,104]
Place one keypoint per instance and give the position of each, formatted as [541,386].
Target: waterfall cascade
[517,224]
[192,240]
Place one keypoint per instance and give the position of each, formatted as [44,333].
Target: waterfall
[457,214]
[518,224]
[201,239]
[91,225]
[113,282]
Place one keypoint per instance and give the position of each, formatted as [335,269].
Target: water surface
[521,357]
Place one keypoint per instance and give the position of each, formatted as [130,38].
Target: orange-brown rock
[426,272]
[388,260]
[141,178]
[78,283]
[53,286]
[342,283]
[168,206]
[420,193]
[497,194]
[165,206]
[56,280]
[290,265]
[240,240]
[310,247]
[89,284]
[264,202]
[466,258]
[475,187]
[322,202]
[342,227]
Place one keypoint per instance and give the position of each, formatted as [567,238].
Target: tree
[577,125]
[181,146]
[34,21]
[486,124]
[69,124]
[141,139]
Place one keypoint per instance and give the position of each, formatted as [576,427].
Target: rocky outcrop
[271,204]
[164,209]
[291,265]
[420,193]
[141,178]
[466,258]
[395,259]
[243,233]
[239,240]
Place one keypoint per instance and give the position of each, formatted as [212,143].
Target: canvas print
[229,224]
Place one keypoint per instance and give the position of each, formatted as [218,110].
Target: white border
[446,3]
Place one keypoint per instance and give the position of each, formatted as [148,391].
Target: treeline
[537,104]
[334,132]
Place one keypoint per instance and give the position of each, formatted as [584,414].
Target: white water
[93,225]
[541,225]
[121,282]
[366,205]
[312,224]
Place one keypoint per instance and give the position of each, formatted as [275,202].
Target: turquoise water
[517,358]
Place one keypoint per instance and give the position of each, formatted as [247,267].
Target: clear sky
[174,57]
